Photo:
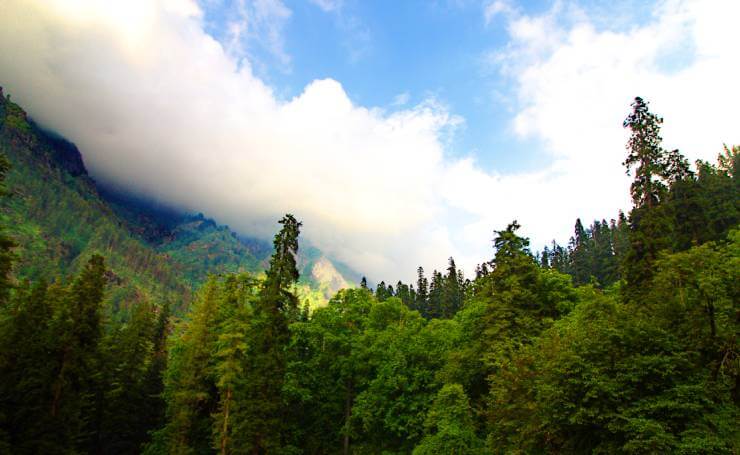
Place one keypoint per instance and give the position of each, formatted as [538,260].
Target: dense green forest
[623,341]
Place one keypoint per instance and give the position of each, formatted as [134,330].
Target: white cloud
[574,82]
[252,24]
[157,104]
[328,5]
[401,99]
[495,8]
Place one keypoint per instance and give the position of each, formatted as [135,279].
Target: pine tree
[382,292]
[152,416]
[453,290]
[545,258]
[581,254]
[77,329]
[282,273]
[265,415]
[27,367]
[123,401]
[436,295]
[189,385]
[422,292]
[650,224]
[229,357]
[646,154]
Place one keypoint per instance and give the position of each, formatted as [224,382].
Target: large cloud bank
[156,104]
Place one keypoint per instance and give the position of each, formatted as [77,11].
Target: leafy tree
[611,381]
[328,368]
[404,353]
[449,425]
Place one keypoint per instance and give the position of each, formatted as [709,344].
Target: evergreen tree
[265,415]
[190,382]
[382,293]
[436,296]
[581,254]
[646,155]
[229,358]
[26,369]
[124,403]
[78,329]
[650,226]
[545,258]
[453,290]
[422,292]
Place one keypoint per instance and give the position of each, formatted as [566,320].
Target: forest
[625,340]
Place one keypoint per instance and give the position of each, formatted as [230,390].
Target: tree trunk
[58,384]
[225,429]
[347,415]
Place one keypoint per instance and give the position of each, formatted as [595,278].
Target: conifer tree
[189,386]
[581,254]
[422,292]
[654,168]
[646,154]
[267,343]
[26,369]
[383,292]
[454,290]
[124,401]
[436,295]
[77,330]
[229,357]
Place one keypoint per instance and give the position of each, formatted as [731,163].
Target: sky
[400,133]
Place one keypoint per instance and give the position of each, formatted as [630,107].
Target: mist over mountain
[60,216]
[325,227]
[174,104]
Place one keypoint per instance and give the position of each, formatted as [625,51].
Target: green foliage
[58,221]
[625,341]
[449,425]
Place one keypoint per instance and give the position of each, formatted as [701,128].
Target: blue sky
[400,132]
[389,54]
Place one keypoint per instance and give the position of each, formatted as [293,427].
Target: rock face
[324,273]
[66,155]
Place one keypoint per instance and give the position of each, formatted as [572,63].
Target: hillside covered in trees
[59,217]
[623,341]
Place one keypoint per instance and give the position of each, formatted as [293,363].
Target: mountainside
[60,217]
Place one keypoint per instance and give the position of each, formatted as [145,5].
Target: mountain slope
[60,216]
[59,220]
